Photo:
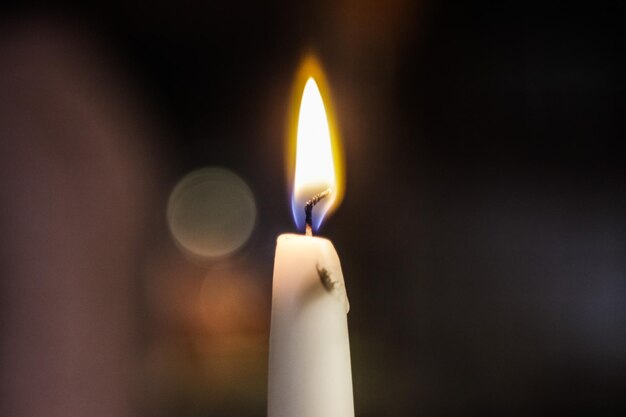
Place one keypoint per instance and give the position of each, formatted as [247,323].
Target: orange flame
[314,152]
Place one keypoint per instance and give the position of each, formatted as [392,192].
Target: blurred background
[482,234]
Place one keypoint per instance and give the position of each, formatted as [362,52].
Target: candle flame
[316,168]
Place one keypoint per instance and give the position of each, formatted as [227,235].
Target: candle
[309,361]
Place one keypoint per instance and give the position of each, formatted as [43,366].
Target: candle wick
[308,210]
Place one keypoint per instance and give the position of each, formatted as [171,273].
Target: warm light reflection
[317,153]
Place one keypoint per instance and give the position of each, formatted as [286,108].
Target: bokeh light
[206,354]
[232,301]
[211,212]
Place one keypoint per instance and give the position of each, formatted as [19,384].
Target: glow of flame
[317,155]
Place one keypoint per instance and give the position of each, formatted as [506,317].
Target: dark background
[482,234]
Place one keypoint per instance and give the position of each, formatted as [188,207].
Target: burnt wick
[308,210]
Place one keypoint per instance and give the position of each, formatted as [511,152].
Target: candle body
[309,361]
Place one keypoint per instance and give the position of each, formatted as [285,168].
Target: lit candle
[309,361]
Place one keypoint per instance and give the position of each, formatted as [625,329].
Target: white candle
[309,361]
